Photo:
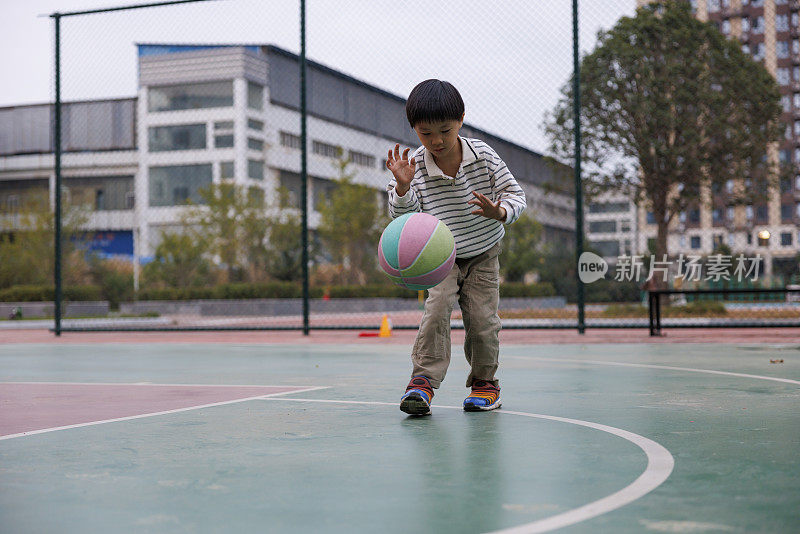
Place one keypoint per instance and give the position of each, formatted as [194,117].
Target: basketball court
[184,433]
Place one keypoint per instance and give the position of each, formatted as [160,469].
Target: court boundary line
[660,464]
[59,383]
[153,414]
[651,366]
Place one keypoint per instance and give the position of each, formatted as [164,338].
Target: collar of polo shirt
[468,155]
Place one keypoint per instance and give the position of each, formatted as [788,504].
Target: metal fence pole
[304,161]
[576,90]
[57,155]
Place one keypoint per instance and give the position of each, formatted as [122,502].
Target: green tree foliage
[521,248]
[233,226]
[351,224]
[284,259]
[669,106]
[27,252]
[180,261]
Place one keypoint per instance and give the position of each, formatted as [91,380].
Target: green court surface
[591,438]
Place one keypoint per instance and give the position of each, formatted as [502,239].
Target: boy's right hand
[402,169]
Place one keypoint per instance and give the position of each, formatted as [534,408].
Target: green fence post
[57,164]
[576,109]
[304,162]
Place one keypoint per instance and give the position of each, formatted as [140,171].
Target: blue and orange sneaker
[484,396]
[418,396]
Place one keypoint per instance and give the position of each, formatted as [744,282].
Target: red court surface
[517,337]
[35,406]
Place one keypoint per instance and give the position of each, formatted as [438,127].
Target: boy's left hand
[487,208]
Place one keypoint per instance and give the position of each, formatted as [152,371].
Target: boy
[466,185]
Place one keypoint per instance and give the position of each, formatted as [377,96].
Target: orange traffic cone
[386,327]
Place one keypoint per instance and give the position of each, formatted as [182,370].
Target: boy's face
[441,137]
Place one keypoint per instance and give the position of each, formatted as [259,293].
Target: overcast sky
[508,61]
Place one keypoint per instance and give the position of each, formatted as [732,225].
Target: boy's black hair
[434,101]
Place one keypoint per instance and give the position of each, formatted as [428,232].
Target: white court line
[648,366]
[161,384]
[659,466]
[140,416]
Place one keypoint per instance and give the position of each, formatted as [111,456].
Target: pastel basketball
[417,250]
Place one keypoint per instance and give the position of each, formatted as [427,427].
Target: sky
[508,60]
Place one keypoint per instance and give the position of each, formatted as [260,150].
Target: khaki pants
[475,281]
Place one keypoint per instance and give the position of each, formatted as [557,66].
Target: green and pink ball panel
[417,251]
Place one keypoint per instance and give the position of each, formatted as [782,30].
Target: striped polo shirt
[446,197]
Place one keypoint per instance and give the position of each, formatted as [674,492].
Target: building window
[255,96]
[713,6]
[625,226]
[223,125]
[255,169]
[694,242]
[100,193]
[651,218]
[190,96]
[786,212]
[716,215]
[290,181]
[729,213]
[255,144]
[322,190]
[761,213]
[290,140]
[324,149]
[786,239]
[364,160]
[223,141]
[796,101]
[602,227]
[748,212]
[797,210]
[180,137]
[782,76]
[226,170]
[607,249]
[174,185]
[758,53]
[786,103]
[717,240]
[749,238]
[783,49]
[694,215]
[746,28]
[255,125]
[609,207]
[758,25]
[781,23]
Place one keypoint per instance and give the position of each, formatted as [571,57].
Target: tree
[669,108]
[351,225]
[284,259]
[233,224]
[521,248]
[179,261]
[27,254]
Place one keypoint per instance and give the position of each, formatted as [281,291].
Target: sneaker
[417,399]
[484,396]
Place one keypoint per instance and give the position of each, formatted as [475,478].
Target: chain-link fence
[183,174]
